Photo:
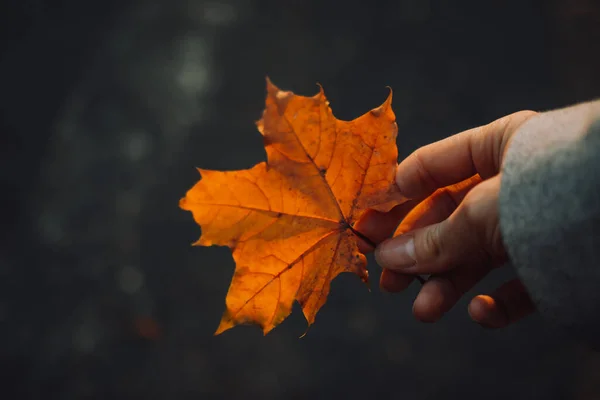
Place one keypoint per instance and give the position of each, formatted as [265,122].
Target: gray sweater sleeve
[550,216]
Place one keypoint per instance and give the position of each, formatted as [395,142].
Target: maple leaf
[289,221]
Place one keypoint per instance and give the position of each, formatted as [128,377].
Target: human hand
[451,227]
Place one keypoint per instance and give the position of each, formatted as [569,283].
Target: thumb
[470,235]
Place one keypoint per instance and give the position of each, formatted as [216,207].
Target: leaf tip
[202,172]
[225,324]
[183,204]
[306,331]
[321,90]
[320,97]
[386,107]
[266,329]
[390,95]
[275,96]
[202,242]
[271,87]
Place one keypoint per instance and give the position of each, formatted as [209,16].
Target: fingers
[379,226]
[437,207]
[434,209]
[458,243]
[470,234]
[464,249]
[441,292]
[475,151]
[394,282]
[509,303]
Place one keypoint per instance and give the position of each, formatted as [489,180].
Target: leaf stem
[363,237]
[373,245]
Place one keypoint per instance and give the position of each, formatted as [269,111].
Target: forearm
[550,215]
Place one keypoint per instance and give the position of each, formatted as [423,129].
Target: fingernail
[484,310]
[397,253]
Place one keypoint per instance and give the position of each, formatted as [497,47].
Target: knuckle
[430,248]
[516,120]
[480,215]
[526,113]
[471,213]
[421,172]
[517,117]
[470,206]
[499,132]
[446,199]
[475,196]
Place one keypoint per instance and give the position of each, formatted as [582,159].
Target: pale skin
[450,230]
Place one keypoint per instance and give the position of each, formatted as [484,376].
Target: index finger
[458,157]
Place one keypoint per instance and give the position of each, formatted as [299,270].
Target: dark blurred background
[107,106]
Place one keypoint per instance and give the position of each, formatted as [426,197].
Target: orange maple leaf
[289,221]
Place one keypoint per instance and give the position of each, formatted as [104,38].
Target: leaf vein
[287,268]
[318,218]
[364,177]
[315,165]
